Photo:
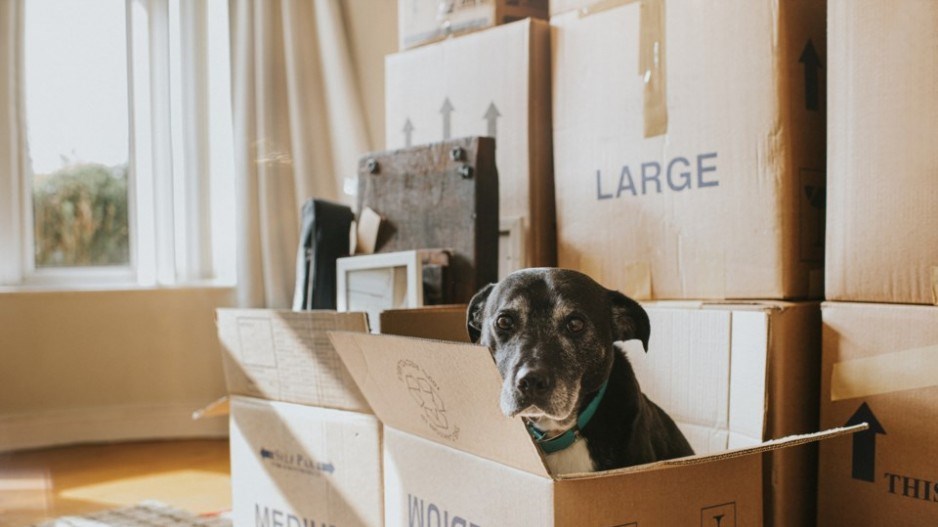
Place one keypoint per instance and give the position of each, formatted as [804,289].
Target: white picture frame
[377,282]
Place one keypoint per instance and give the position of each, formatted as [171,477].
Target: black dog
[552,334]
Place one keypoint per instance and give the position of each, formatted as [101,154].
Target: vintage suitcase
[441,195]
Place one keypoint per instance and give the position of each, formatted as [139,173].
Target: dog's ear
[474,313]
[629,319]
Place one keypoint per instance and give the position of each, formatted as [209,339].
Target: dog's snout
[533,381]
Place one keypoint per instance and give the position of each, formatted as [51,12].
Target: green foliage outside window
[80,216]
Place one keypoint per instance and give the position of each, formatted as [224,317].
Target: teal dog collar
[562,441]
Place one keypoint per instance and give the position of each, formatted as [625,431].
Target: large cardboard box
[880,366]
[882,234]
[735,375]
[689,147]
[494,83]
[446,441]
[731,376]
[424,21]
[305,446]
[294,464]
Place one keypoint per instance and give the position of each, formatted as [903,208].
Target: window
[78,133]
[129,149]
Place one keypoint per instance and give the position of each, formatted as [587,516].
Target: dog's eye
[504,322]
[575,325]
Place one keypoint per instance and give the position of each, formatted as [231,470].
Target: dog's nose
[533,381]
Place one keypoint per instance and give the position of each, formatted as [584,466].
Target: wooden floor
[42,484]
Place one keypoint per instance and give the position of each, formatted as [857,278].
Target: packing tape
[651,66]
[891,372]
[651,59]
[934,285]
[637,279]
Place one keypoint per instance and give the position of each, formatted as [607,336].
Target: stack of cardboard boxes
[305,445]
[638,144]
[675,151]
[880,322]
[689,173]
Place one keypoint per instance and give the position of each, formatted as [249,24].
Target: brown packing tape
[652,67]
[910,369]
[934,285]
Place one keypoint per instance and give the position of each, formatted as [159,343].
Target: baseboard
[107,424]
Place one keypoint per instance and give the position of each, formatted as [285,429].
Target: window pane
[78,131]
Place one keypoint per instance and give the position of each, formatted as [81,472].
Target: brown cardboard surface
[737,374]
[434,322]
[446,435]
[295,465]
[286,356]
[888,475]
[743,148]
[882,236]
[424,21]
[725,494]
[494,83]
[441,391]
[425,480]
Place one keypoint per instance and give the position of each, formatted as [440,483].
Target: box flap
[446,322]
[285,356]
[217,408]
[774,444]
[445,392]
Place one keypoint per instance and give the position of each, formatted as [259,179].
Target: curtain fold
[298,132]
[12,140]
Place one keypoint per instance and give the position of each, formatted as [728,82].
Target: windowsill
[111,287]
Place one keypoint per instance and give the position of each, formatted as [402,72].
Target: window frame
[176,235]
[125,274]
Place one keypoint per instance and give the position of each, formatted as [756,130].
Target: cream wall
[111,365]
[108,365]
[372,29]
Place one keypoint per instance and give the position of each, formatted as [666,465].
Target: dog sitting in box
[553,334]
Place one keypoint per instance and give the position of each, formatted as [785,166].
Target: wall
[371,26]
[108,365]
[84,366]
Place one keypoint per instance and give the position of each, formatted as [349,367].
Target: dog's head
[552,334]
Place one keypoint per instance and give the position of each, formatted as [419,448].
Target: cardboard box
[424,21]
[434,322]
[730,375]
[293,464]
[880,365]
[493,83]
[685,167]
[882,234]
[735,375]
[446,442]
[305,446]
[283,355]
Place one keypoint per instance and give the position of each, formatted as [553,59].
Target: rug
[145,514]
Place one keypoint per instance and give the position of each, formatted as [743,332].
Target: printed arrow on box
[864,443]
[447,111]
[491,116]
[812,62]
[408,132]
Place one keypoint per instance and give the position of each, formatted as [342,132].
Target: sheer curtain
[299,129]
[11,134]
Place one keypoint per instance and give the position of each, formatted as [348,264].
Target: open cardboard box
[452,458]
[305,446]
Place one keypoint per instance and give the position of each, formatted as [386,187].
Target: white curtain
[299,130]
[11,134]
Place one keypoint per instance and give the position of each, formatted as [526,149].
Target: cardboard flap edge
[475,420]
[767,446]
